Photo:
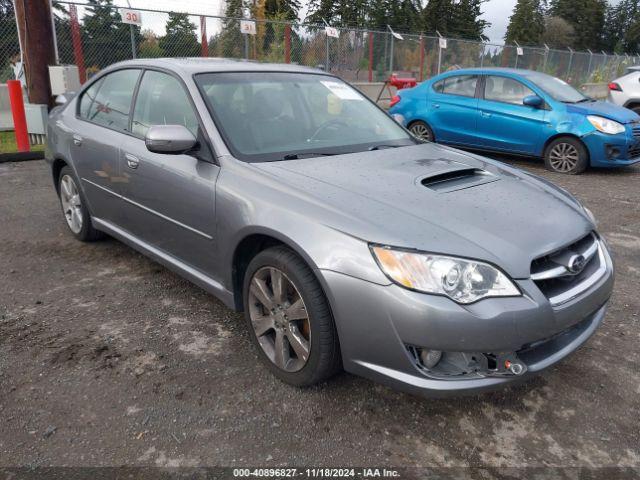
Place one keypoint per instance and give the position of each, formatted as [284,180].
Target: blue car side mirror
[532,101]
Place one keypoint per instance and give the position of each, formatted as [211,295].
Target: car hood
[437,199]
[604,109]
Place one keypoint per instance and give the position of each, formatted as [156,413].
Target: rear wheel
[566,155]
[422,131]
[289,318]
[74,207]
[635,108]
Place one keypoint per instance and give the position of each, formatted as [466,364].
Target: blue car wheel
[422,131]
[566,155]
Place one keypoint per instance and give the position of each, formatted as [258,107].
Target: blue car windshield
[558,89]
[270,116]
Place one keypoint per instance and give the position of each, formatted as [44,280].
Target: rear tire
[422,131]
[566,155]
[74,207]
[286,307]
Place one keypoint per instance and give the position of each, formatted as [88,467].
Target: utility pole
[33,18]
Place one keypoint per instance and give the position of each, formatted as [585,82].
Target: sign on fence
[133,17]
[332,32]
[519,51]
[248,27]
[443,42]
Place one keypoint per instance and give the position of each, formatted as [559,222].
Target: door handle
[436,105]
[485,114]
[77,139]
[132,161]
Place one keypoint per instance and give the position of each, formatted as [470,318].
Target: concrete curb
[21,156]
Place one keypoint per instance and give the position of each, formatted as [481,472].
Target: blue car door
[452,109]
[504,122]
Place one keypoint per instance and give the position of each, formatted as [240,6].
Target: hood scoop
[457,179]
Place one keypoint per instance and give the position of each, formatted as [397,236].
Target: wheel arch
[564,134]
[250,245]
[632,102]
[57,165]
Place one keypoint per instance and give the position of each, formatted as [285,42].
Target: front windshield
[558,89]
[266,116]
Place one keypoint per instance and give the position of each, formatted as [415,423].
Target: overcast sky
[497,12]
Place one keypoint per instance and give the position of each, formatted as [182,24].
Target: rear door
[452,107]
[169,200]
[99,127]
[504,123]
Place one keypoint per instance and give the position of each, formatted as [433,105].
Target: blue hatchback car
[521,112]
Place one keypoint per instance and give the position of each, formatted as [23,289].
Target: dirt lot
[107,358]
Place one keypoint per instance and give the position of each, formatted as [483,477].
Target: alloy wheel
[279,319]
[564,157]
[71,203]
[421,131]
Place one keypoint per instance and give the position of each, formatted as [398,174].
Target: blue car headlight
[462,280]
[605,125]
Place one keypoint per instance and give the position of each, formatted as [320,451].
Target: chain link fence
[94,37]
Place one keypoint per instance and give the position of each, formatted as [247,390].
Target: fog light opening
[430,358]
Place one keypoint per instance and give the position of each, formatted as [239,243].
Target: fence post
[421,58]
[391,51]
[76,39]
[569,67]
[589,67]
[287,43]
[482,53]
[246,46]
[546,55]
[370,57]
[17,111]
[439,52]
[204,52]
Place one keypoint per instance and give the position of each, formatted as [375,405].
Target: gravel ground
[107,358]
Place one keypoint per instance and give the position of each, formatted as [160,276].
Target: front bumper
[377,323]
[614,150]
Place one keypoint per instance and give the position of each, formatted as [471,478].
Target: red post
[19,118]
[421,58]
[287,43]
[205,43]
[370,35]
[77,43]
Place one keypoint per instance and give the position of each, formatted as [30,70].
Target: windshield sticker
[342,91]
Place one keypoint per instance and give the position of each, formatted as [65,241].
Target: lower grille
[566,273]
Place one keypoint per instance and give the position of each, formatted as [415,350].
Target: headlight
[605,125]
[464,281]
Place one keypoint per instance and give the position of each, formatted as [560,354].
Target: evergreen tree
[622,27]
[438,15]
[526,24]
[106,39]
[231,41]
[181,39]
[466,21]
[587,19]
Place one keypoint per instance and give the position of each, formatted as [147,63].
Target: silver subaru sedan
[347,243]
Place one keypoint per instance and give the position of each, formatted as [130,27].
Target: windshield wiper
[585,99]
[296,156]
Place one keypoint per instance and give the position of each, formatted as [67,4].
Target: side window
[439,86]
[88,98]
[112,102]
[507,90]
[162,100]
[463,85]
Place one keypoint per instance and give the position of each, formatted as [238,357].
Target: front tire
[566,155]
[74,207]
[289,318]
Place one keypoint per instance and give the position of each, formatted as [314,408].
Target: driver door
[169,200]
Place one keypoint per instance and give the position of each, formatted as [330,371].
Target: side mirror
[64,98]
[172,139]
[532,101]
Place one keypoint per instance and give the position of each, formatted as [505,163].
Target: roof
[194,65]
[485,70]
